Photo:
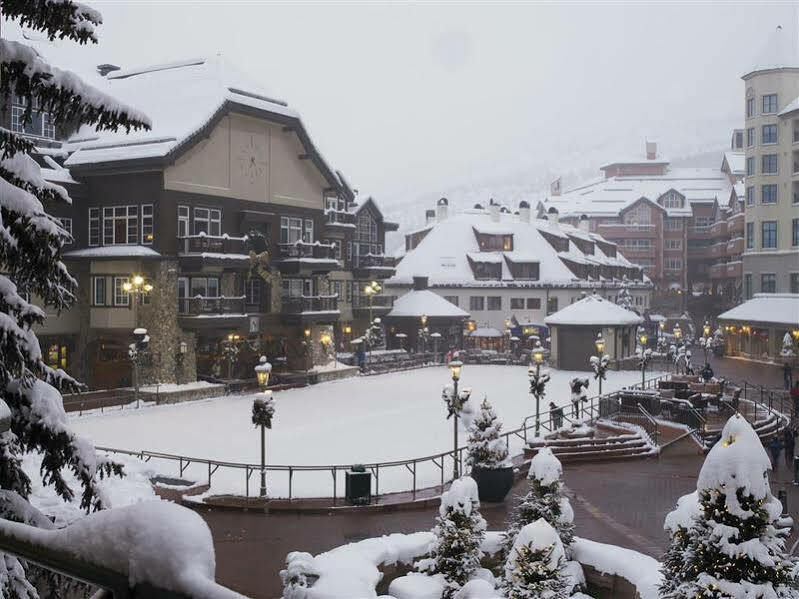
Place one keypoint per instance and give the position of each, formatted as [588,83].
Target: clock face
[251,159]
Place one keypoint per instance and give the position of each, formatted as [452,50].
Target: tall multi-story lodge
[177,205]
[683,226]
[508,267]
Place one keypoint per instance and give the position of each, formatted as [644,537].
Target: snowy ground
[382,418]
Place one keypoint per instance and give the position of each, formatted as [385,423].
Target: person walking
[787,375]
[557,415]
[795,398]
[789,441]
[775,447]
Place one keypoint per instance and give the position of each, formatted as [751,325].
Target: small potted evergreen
[488,456]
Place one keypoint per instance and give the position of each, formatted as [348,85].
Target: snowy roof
[446,254]
[485,332]
[736,161]
[610,196]
[778,52]
[114,251]
[424,302]
[593,310]
[781,308]
[790,108]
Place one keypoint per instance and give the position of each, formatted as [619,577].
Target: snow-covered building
[683,226]
[509,270]
[757,328]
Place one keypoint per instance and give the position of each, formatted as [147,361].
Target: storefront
[760,328]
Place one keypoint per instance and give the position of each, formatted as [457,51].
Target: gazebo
[486,338]
[575,327]
[421,308]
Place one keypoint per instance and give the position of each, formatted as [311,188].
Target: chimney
[493,210]
[419,283]
[651,150]
[524,211]
[442,207]
[584,224]
[429,217]
[552,217]
[106,68]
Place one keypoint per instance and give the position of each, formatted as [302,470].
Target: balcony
[719,229]
[700,253]
[339,220]
[626,231]
[701,232]
[372,266]
[306,258]
[729,270]
[196,251]
[212,312]
[735,247]
[310,308]
[717,250]
[734,269]
[735,224]
[380,303]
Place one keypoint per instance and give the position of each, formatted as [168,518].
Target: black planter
[493,484]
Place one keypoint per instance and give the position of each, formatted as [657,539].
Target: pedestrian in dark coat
[787,375]
[556,414]
[789,440]
[775,447]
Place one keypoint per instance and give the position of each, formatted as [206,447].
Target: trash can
[358,485]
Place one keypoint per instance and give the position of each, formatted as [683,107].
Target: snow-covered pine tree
[624,297]
[31,242]
[534,568]
[485,448]
[732,546]
[787,346]
[459,533]
[545,499]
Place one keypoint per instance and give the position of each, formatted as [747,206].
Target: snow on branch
[57,18]
[21,170]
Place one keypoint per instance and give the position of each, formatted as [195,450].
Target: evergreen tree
[624,297]
[545,500]
[485,448]
[730,544]
[31,242]
[534,568]
[459,533]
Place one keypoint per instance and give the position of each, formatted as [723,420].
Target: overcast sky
[411,98]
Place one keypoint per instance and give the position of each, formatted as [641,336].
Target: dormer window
[528,271]
[495,243]
[672,200]
[561,244]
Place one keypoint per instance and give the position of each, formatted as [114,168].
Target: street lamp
[455,401]
[537,383]
[644,353]
[136,284]
[231,352]
[263,410]
[677,332]
[599,362]
[371,290]
[136,351]
[706,329]
[435,337]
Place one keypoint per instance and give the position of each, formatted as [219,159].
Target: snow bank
[154,542]
[545,467]
[641,570]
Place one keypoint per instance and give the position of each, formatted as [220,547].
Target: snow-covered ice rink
[372,419]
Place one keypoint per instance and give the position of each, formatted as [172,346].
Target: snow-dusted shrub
[459,532]
[729,544]
[545,500]
[624,297]
[486,449]
[534,568]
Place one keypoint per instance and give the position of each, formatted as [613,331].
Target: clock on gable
[251,159]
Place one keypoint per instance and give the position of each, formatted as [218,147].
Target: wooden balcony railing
[309,303]
[221,244]
[194,306]
[361,302]
[339,217]
[301,249]
[372,261]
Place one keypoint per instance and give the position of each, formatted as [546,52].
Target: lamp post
[435,337]
[644,352]
[455,401]
[263,409]
[231,352]
[537,383]
[136,351]
[706,339]
[599,362]
[371,290]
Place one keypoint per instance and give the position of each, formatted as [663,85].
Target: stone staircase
[610,441]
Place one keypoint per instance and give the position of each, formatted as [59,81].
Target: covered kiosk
[486,338]
[573,331]
[765,327]
[420,308]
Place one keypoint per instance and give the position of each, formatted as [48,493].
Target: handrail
[653,423]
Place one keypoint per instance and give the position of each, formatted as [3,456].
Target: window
[525,270]
[147,224]
[94,226]
[750,108]
[183,293]
[452,299]
[98,291]
[750,196]
[702,222]
[768,134]
[252,291]
[290,229]
[674,244]
[207,221]
[476,302]
[739,140]
[335,289]
[40,123]
[517,303]
[672,200]
[768,164]
[748,286]
[750,166]
[120,225]
[183,221]
[795,282]
[66,224]
[795,232]
[204,287]
[768,282]
[307,233]
[750,235]
[768,239]
[750,137]
[336,248]
[533,303]
[552,305]
[673,264]
[495,243]
[638,215]
[673,224]
[768,194]
[769,104]
[120,297]
[637,244]
[494,302]
[366,229]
